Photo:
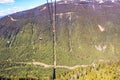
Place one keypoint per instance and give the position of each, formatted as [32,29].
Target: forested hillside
[86,34]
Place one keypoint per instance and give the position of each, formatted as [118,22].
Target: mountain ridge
[42,10]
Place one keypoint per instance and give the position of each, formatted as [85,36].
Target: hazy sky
[12,6]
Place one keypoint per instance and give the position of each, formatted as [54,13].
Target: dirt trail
[36,63]
[51,66]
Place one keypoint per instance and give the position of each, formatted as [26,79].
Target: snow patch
[101,48]
[100,1]
[44,8]
[101,28]
[60,15]
[69,14]
[12,19]
[63,2]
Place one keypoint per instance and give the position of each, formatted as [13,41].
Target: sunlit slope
[90,36]
[104,71]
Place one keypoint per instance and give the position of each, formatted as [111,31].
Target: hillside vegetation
[85,35]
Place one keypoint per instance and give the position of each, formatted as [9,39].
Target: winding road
[52,66]
[46,65]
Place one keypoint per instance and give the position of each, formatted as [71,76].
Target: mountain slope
[86,33]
